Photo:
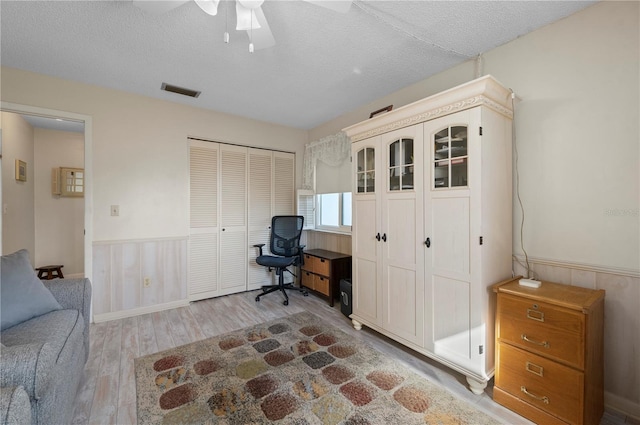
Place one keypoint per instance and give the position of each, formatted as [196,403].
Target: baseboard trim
[123,314]
[622,405]
[579,266]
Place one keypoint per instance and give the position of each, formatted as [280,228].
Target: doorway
[55,228]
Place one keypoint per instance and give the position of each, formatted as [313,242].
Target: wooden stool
[51,272]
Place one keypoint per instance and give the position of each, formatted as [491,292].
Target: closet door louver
[260,195]
[203,233]
[284,179]
[233,208]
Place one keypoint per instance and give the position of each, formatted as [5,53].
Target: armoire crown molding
[485,91]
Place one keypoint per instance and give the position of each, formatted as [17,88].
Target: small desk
[51,272]
[322,271]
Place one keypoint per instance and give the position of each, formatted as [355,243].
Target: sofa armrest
[74,294]
[15,407]
[29,366]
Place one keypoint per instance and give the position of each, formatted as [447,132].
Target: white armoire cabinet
[234,191]
[432,223]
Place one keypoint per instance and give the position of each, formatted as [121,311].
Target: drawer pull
[544,344]
[534,368]
[543,399]
[535,315]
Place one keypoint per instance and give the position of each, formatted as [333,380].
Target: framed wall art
[21,171]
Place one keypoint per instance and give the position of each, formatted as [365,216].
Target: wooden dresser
[549,352]
[322,271]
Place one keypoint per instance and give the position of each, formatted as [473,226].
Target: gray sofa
[44,356]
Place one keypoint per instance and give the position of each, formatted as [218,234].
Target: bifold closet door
[204,220]
[233,219]
[271,192]
[260,195]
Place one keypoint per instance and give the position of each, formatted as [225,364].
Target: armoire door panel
[450,233]
[366,296]
[364,236]
[400,229]
[450,300]
[401,306]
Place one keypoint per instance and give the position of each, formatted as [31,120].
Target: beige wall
[578,142]
[59,221]
[578,84]
[17,197]
[139,158]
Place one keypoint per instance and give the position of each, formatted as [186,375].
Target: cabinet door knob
[384,237]
[428,242]
[378,237]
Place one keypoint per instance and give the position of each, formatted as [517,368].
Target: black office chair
[285,246]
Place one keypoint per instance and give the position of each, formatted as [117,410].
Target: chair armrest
[15,407]
[301,255]
[74,294]
[259,246]
[28,366]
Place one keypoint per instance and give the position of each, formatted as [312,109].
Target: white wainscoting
[121,267]
[621,323]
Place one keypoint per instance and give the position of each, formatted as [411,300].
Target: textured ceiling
[323,65]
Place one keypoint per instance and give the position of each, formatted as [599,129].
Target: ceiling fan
[249,15]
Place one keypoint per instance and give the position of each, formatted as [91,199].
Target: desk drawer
[543,383]
[542,328]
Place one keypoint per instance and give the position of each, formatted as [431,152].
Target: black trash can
[345,297]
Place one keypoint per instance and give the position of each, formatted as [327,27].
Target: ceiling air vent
[179,90]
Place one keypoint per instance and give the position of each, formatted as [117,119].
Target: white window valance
[332,150]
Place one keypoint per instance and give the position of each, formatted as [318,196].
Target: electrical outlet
[147,282]
[115,210]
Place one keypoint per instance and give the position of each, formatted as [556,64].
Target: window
[334,211]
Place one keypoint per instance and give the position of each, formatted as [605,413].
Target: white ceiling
[323,65]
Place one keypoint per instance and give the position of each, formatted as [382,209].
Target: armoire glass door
[450,158]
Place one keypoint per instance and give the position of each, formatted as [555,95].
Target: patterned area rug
[294,370]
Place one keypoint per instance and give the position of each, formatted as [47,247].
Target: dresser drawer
[322,266]
[542,328]
[309,262]
[321,284]
[545,384]
[308,279]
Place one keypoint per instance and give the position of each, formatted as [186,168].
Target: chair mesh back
[285,234]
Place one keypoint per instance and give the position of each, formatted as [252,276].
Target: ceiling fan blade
[341,6]
[262,37]
[246,18]
[209,7]
[157,6]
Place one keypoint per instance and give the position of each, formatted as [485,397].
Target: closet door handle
[384,237]
[378,237]
[428,242]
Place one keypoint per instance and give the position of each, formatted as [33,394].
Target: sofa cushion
[55,328]
[22,294]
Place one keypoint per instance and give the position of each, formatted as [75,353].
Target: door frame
[88,169]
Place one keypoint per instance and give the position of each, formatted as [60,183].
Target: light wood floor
[107,394]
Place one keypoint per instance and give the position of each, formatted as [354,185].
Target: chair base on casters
[267,289]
